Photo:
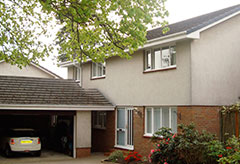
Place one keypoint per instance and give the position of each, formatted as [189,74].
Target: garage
[55,129]
[58,110]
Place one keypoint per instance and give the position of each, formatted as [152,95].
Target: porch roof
[43,92]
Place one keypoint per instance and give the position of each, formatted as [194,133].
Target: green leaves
[91,29]
[101,28]
[20,27]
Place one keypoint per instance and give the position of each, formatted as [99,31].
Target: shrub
[116,156]
[189,146]
[165,145]
[231,152]
[133,157]
[192,145]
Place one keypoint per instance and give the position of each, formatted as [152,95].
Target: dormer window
[160,58]
[98,70]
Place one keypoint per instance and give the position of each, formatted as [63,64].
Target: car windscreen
[22,134]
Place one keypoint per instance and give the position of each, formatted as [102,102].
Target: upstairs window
[77,74]
[98,70]
[160,58]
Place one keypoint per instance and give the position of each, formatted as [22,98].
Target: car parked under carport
[45,104]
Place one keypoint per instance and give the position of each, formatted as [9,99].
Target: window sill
[99,77]
[160,69]
[103,128]
[124,147]
[148,135]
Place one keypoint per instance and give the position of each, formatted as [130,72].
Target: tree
[91,29]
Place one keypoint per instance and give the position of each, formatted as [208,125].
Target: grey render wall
[215,63]
[29,71]
[126,84]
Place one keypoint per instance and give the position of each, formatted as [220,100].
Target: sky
[178,10]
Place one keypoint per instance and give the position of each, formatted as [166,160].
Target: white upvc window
[77,73]
[124,128]
[160,58]
[98,70]
[158,117]
[99,120]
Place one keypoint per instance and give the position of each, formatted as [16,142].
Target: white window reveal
[158,117]
[99,120]
[160,58]
[124,128]
[98,70]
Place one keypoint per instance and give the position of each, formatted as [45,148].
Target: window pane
[94,73]
[149,120]
[99,69]
[148,62]
[165,117]
[157,59]
[120,138]
[165,57]
[174,120]
[121,118]
[104,68]
[156,119]
[173,55]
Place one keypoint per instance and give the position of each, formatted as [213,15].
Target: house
[32,70]
[182,76]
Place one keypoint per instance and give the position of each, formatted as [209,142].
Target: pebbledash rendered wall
[207,76]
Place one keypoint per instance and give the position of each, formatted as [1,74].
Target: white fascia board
[214,24]
[170,38]
[56,107]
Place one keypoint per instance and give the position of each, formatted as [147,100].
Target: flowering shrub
[231,152]
[165,148]
[188,147]
[133,156]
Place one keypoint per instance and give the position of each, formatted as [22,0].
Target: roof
[43,91]
[41,68]
[46,70]
[194,24]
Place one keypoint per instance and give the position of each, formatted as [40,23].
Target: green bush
[116,156]
[187,147]
[231,153]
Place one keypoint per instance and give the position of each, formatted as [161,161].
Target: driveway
[49,157]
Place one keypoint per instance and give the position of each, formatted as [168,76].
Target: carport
[45,104]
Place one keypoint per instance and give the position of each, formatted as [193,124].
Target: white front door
[124,128]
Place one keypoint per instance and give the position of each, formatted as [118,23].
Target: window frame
[146,134]
[152,52]
[77,74]
[100,115]
[103,72]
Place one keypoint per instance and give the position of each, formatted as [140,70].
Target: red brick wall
[142,144]
[83,152]
[204,117]
[103,140]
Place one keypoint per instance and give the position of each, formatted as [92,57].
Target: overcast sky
[178,9]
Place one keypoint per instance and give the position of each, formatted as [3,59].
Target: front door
[124,128]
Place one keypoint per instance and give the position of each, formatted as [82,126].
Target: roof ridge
[218,17]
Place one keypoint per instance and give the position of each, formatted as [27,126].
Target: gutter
[56,107]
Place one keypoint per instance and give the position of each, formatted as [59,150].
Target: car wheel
[38,153]
[8,151]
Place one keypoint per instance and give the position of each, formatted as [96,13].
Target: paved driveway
[52,158]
